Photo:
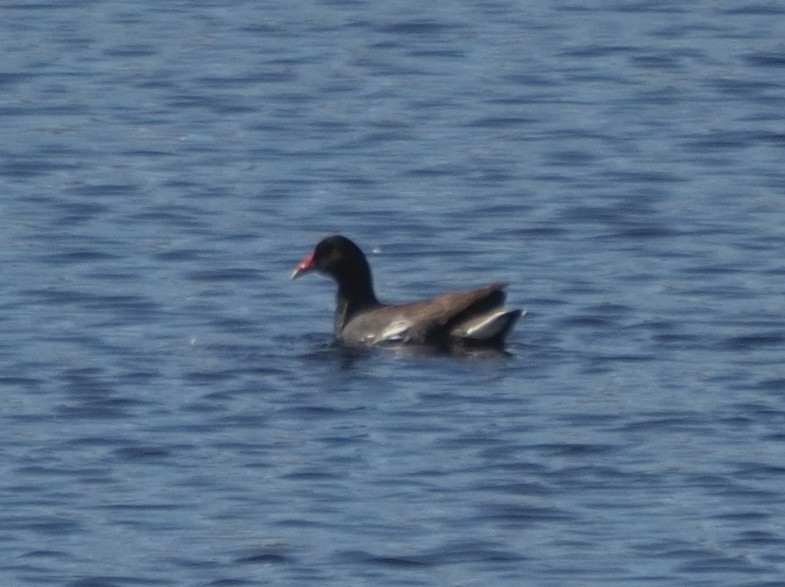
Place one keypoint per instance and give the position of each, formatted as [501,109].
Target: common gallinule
[462,318]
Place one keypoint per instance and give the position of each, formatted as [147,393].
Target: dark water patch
[522,488]
[462,552]
[153,154]
[776,139]
[440,53]
[442,170]
[689,555]
[499,122]
[417,28]
[266,558]
[90,393]
[516,514]
[312,475]
[102,441]
[297,523]
[85,379]
[47,525]
[760,471]
[662,333]
[722,140]
[99,190]
[314,412]
[725,292]
[79,256]
[78,212]
[754,9]
[587,321]
[55,554]
[276,76]
[540,232]
[349,439]
[589,420]
[573,449]
[674,550]
[115,581]
[142,453]
[324,352]
[744,88]
[117,506]
[28,168]
[582,213]
[263,29]
[772,384]
[758,538]
[56,150]
[642,176]
[713,484]
[760,412]
[714,268]
[10,78]
[771,59]
[138,377]
[19,111]
[570,158]
[741,486]
[96,408]
[137,50]
[752,342]
[20,380]
[366,558]
[387,135]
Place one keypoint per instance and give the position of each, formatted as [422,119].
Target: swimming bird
[470,318]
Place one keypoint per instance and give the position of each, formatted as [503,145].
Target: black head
[337,257]
[342,260]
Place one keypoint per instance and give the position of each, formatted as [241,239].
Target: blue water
[173,412]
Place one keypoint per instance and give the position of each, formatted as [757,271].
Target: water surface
[174,413]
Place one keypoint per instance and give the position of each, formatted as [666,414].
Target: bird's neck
[355,294]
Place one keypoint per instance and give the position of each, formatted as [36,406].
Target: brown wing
[444,311]
[428,321]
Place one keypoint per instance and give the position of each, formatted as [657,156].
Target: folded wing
[471,316]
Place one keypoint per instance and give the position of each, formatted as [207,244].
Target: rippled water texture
[173,412]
